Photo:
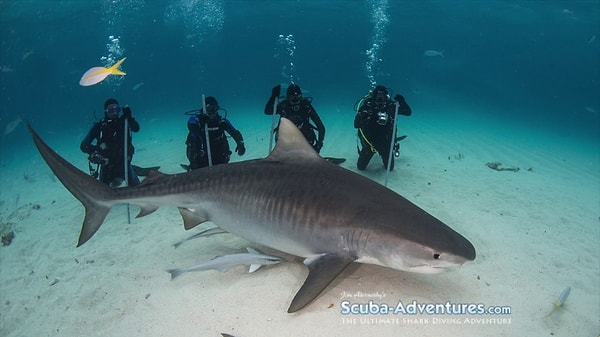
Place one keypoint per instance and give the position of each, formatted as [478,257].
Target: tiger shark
[292,201]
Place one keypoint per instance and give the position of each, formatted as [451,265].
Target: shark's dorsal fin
[291,144]
[152,177]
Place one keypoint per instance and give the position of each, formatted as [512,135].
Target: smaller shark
[253,258]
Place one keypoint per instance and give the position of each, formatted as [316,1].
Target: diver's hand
[240,149]
[318,146]
[202,120]
[96,158]
[276,91]
[399,98]
[127,111]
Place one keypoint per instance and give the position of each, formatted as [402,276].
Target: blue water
[537,61]
[510,65]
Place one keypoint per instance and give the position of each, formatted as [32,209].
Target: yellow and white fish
[97,74]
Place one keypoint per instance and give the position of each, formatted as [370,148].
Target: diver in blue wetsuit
[216,125]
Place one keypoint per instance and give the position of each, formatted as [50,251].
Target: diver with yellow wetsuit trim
[374,120]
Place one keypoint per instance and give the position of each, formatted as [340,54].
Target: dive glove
[240,149]
[276,91]
[127,111]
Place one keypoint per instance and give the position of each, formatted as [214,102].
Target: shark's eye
[436,256]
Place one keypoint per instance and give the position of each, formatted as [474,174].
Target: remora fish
[292,201]
[253,258]
[204,234]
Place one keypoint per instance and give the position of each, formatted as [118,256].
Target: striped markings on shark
[292,201]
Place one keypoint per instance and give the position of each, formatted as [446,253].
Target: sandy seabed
[536,232]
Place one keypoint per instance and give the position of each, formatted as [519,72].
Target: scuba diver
[300,111]
[108,151]
[216,125]
[374,120]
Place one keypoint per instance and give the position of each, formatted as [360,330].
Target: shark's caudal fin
[94,195]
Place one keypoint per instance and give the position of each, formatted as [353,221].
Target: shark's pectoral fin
[322,271]
[191,218]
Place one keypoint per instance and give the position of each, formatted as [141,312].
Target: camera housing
[382,118]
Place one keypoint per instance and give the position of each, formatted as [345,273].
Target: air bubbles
[115,13]
[379,19]
[287,45]
[114,47]
[114,53]
[200,18]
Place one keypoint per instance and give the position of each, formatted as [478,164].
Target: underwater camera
[382,118]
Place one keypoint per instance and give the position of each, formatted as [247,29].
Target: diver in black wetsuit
[375,123]
[216,125]
[300,111]
[108,150]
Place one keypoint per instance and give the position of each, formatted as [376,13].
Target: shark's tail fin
[96,197]
[175,273]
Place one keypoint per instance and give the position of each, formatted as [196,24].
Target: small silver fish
[10,127]
[137,86]
[221,263]
[204,234]
[592,39]
[7,69]
[561,300]
[431,52]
